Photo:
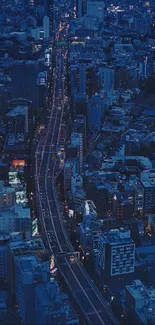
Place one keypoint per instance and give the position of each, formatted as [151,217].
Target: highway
[91,304]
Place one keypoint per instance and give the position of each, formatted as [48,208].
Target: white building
[119,253]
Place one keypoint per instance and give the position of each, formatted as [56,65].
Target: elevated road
[93,307]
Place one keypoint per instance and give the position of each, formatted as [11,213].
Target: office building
[52,307]
[79,10]
[16,219]
[140,303]
[143,69]
[74,79]
[101,256]
[7,197]
[81,105]
[70,170]
[95,112]
[108,80]
[146,188]
[79,197]
[79,126]
[96,8]
[18,120]
[42,84]
[82,79]
[24,81]
[151,223]
[123,205]
[3,306]
[4,258]
[89,229]
[29,272]
[76,141]
[119,252]
[20,247]
[49,12]
[4,97]
[46,26]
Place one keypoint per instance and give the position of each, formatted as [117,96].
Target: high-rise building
[108,80]
[146,190]
[79,11]
[46,26]
[18,120]
[81,104]
[79,126]
[7,197]
[24,76]
[82,86]
[77,142]
[69,171]
[119,250]
[20,247]
[29,273]
[4,258]
[95,112]
[96,8]
[49,11]
[16,219]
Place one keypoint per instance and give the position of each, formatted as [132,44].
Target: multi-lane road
[92,306]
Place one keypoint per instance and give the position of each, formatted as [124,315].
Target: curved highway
[92,305]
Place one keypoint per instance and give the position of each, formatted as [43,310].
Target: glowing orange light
[18,162]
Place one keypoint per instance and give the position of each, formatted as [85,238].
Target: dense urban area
[77,162]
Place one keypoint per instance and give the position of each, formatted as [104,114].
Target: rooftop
[118,236]
[18,110]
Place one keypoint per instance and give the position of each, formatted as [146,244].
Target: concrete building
[140,303]
[81,105]
[95,112]
[76,141]
[24,80]
[7,197]
[18,120]
[49,11]
[52,307]
[82,81]
[16,219]
[146,188]
[3,306]
[46,26]
[19,247]
[29,273]
[96,8]
[79,8]
[4,258]
[69,171]
[119,252]
[108,80]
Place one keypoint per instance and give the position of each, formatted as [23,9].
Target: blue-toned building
[29,273]
[52,307]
